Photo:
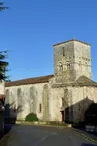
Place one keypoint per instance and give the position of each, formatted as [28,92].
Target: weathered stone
[66,95]
[72,59]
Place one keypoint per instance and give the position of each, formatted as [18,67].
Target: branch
[2,7]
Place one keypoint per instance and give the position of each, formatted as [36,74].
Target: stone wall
[72,59]
[63,62]
[76,101]
[48,102]
[82,53]
[27,99]
[82,97]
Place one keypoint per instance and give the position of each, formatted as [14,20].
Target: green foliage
[3,53]
[2,7]
[3,65]
[31,117]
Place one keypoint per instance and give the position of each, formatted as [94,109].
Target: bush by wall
[31,117]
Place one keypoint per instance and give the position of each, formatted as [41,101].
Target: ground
[27,135]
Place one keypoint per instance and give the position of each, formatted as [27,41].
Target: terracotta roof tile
[83,80]
[35,80]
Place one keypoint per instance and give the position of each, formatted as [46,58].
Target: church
[63,96]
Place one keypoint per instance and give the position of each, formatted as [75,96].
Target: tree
[2,7]
[3,65]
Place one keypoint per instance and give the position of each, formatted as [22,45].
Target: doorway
[62,113]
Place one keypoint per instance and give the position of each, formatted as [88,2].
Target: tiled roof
[85,81]
[81,81]
[35,80]
[70,41]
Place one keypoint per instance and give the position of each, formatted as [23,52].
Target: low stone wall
[55,124]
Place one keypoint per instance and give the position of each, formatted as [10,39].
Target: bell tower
[72,59]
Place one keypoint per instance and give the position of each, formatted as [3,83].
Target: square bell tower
[72,59]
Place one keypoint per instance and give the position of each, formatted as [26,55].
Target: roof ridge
[84,77]
[72,40]
[85,81]
[32,78]
[35,80]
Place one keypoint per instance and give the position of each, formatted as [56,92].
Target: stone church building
[63,96]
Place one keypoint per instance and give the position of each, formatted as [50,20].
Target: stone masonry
[72,59]
[64,96]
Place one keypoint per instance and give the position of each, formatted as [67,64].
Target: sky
[30,28]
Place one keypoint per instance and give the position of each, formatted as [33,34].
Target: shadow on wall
[11,113]
[91,114]
[76,112]
[10,116]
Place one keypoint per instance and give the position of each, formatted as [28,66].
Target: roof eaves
[36,80]
[70,41]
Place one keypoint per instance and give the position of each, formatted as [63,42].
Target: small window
[63,51]
[60,66]
[40,108]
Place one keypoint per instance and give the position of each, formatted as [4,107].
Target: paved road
[24,135]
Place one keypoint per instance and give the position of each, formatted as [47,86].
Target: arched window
[62,101]
[60,66]
[63,51]
[40,108]
[68,65]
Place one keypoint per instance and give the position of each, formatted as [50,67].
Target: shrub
[31,117]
